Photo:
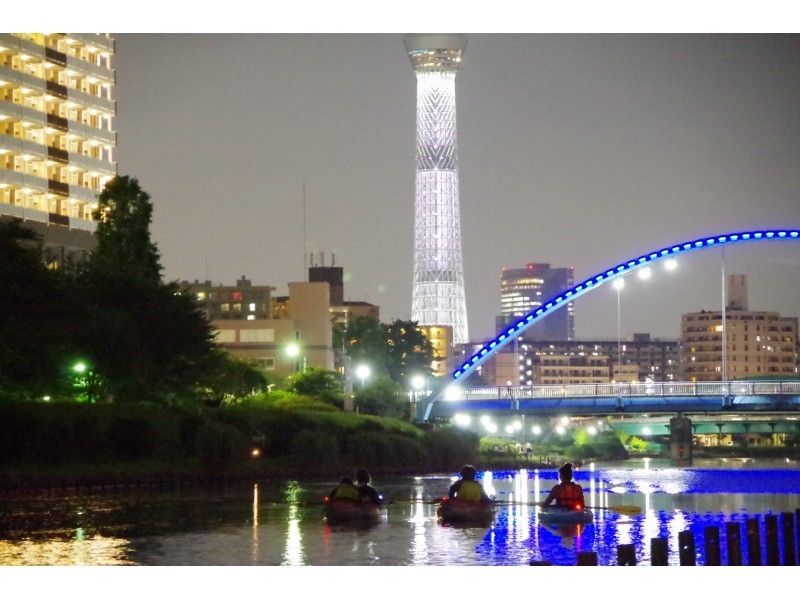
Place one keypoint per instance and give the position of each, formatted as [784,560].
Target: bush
[449,448]
[319,383]
[312,449]
[382,397]
[131,438]
[219,446]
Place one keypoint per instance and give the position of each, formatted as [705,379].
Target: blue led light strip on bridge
[595,281]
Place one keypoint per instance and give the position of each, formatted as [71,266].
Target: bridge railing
[639,389]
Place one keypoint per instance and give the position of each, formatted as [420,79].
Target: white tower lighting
[438,295]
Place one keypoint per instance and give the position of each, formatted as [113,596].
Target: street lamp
[619,284]
[363,372]
[293,350]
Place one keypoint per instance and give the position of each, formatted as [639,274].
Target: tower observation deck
[438,295]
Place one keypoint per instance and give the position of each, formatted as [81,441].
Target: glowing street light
[462,420]
[645,273]
[452,392]
[418,382]
[670,265]
[293,351]
[564,421]
[80,367]
[536,430]
[592,430]
[363,372]
[646,431]
[560,430]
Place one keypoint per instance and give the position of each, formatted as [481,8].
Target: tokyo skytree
[438,296]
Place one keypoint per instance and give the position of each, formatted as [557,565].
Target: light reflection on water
[279,523]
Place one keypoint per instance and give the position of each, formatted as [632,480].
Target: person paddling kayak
[567,494]
[467,489]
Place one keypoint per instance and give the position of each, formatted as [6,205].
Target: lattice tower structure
[438,295]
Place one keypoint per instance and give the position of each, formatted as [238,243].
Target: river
[279,523]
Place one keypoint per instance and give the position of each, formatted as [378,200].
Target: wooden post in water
[733,532]
[626,555]
[789,550]
[753,542]
[711,536]
[587,559]
[659,552]
[773,547]
[686,549]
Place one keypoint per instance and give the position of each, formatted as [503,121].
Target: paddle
[621,509]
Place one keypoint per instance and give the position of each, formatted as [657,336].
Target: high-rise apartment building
[524,289]
[438,293]
[57,139]
[759,344]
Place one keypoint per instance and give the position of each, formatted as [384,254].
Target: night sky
[577,150]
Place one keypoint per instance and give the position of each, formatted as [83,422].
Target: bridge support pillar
[680,440]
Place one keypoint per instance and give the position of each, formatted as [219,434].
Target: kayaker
[346,490]
[467,489]
[367,493]
[567,494]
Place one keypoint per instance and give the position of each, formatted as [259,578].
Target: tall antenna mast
[305,247]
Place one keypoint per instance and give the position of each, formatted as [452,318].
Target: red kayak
[347,511]
[453,510]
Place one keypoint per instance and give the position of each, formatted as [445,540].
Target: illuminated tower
[438,296]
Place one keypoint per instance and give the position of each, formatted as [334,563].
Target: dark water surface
[279,523]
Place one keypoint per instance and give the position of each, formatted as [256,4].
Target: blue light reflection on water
[656,492]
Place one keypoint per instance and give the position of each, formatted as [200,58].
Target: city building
[524,289]
[441,339]
[438,290]
[242,318]
[759,344]
[243,301]
[341,310]
[57,139]
[530,362]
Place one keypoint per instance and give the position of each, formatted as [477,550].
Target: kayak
[346,511]
[556,515]
[452,510]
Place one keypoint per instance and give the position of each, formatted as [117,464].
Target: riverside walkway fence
[636,389]
[744,545]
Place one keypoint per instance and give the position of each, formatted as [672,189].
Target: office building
[243,301]
[524,289]
[57,139]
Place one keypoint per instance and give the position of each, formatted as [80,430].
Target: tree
[364,340]
[382,396]
[37,312]
[409,350]
[124,213]
[229,379]
[318,382]
[397,349]
[145,340]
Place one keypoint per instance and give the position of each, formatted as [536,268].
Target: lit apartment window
[251,317]
[225,307]
[237,308]
[252,307]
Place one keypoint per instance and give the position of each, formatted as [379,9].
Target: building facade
[441,339]
[242,317]
[585,361]
[57,138]
[524,289]
[759,344]
[243,301]
[438,290]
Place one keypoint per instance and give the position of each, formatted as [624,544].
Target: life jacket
[346,492]
[469,491]
[570,496]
